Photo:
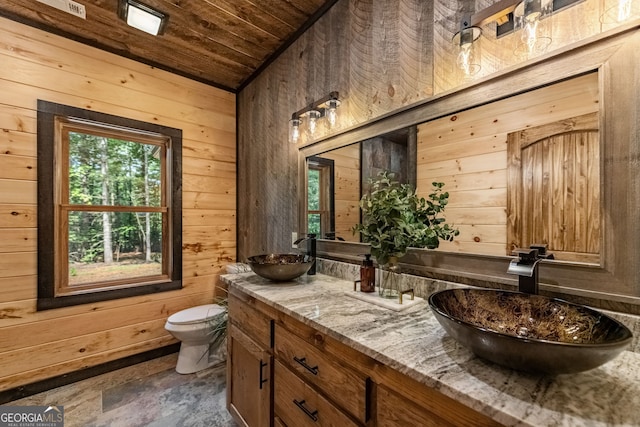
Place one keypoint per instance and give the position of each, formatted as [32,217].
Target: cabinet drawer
[323,371]
[253,322]
[396,411]
[299,405]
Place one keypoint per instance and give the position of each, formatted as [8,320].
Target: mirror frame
[614,55]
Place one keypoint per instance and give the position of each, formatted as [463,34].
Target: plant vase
[390,279]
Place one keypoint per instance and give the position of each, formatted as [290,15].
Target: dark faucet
[311,250]
[526,267]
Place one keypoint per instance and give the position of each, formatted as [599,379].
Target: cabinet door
[249,385]
[397,411]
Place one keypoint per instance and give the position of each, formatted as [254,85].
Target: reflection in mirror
[320,199]
[520,171]
[337,179]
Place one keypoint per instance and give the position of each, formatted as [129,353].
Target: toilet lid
[195,314]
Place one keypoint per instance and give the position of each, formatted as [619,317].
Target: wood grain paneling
[17,288]
[357,49]
[468,152]
[376,54]
[18,240]
[220,42]
[346,189]
[613,283]
[36,345]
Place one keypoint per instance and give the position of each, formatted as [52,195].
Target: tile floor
[147,394]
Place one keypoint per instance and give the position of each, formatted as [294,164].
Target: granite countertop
[413,342]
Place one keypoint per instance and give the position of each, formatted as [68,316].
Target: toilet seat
[194,315]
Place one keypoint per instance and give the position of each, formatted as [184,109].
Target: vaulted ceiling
[219,42]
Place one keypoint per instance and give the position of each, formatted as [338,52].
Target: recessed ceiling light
[142,17]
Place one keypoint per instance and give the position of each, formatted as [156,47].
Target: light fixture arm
[318,105]
[498,12]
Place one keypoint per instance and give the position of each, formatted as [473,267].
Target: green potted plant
[394,218]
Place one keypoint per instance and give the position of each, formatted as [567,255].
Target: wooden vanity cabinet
[249,364]
[284,373]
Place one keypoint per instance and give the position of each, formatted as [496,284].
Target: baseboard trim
[50,383]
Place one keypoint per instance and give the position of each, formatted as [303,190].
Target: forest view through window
[115,209]
[113,200]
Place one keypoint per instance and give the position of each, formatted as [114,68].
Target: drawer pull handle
[300,404]
[303,362]
[262,380]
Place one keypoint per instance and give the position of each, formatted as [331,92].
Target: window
[320,197]
[109,207]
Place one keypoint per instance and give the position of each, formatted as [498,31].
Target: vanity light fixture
[531,17]
[142,17]
[324,107]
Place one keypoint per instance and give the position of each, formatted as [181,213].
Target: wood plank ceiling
[219,42]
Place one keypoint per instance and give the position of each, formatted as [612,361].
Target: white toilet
[190,326]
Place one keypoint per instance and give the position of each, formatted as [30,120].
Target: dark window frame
[327,169]
[47,113]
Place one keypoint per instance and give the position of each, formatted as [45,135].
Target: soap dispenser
[367,275]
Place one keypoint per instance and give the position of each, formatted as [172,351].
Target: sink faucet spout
[311,250]
[526,267]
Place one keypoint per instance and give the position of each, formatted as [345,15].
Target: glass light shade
[618,11]
[533,21]
[468,58]
[313,115]
[294,130]
[332,111]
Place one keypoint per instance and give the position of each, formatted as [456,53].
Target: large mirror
[545,152]
[520,171]
[337,179]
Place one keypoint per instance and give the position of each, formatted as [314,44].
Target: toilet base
[195,357]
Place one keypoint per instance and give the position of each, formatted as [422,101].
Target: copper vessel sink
[530,333]
[280,267]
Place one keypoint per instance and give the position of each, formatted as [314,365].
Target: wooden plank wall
[346,189]
[381,56]
[376,53]
[468,152]
[37,65]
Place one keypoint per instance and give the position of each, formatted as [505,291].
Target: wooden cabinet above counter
[339,361]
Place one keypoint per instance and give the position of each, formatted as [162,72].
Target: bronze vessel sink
[527,332]
[280,267]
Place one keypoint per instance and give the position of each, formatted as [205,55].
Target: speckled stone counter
[414,343]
